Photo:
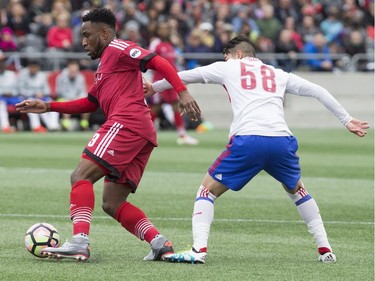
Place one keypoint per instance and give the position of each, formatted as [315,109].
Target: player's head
[98,30]
[238,48]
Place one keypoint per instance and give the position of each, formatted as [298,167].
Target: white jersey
[8,83]
[256,92]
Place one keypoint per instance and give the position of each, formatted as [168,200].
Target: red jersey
[56,36]
[167,51]
[118,87]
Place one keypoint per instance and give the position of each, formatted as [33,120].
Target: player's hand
[31,106]
[358,127]
[147,88]
[189,106]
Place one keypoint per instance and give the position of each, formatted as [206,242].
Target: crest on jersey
[135,53]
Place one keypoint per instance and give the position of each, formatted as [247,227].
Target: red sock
[323,250]
[135,221]
[82,201]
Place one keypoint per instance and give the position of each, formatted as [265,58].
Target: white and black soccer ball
[40,236]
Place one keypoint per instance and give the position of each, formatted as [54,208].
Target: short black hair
[240,42]
[101,15]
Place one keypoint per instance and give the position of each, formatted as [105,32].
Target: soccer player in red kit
[120,148]
[164,48]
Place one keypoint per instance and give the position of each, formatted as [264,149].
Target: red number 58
[249,81]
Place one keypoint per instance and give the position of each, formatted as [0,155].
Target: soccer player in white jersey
[259,139]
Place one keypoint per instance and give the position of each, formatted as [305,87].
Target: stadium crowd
[282,27]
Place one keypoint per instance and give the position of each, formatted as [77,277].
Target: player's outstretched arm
[357,127]
[32,106]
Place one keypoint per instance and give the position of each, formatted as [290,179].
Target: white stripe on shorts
[103,145]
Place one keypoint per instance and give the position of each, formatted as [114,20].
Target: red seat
[52,82]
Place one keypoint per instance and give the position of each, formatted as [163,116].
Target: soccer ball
[40,236]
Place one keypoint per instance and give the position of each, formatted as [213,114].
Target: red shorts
[120,152]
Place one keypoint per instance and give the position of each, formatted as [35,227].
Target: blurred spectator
[176,12]
[260,20]
[285,9]
[60,36]
[220,12]
[129,12]
[209,38]
[286,45]
[19,22]
[164,48]
[32,83]
[369,14]
[355,43]
[308,29]
[314,9]
[332,27]
[132,33]
[8,94]
[7,41]
[269,26]
[60,7]
[36,11]
[196,13]
[177,42]
[71,85]
[290,24]
[242,17]
[349,10]
[194,44]
[252,35]
[318,47]
[41,30]
[225,32]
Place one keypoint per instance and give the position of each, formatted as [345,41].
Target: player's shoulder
[118,45]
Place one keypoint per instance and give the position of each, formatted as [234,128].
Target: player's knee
[298,186]
[109,208]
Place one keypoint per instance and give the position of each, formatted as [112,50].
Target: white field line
[187,219]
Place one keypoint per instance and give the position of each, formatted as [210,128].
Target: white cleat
[327,258]
[78,249]
[190,256]
[187,140]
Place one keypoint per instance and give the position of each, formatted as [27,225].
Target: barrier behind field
[355,91]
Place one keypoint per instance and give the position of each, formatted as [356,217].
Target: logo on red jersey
[135,53]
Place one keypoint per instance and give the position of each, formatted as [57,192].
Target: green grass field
[257,233]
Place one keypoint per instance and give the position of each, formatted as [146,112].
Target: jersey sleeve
[302,87]
[187,77]
[204,75]
[136,57]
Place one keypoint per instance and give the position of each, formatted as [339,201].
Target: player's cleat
[328,257]
[9,130]
[191,256]
[160,246]
[78,249]
[186,139]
